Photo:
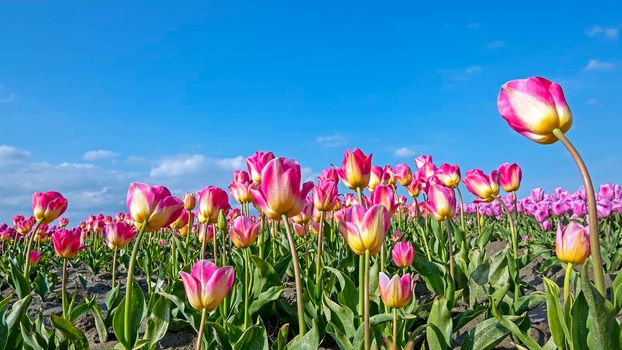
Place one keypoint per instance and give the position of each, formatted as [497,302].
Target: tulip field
[363,257]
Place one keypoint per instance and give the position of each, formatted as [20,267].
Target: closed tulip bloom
[67,243]
[384,195]
[48,206]
[22,226]
[448,175]
[375,177]
[181,221]
[330,174]
[207,233]
[305,214]
[190,201]
[243,231]
[365,229]
[403,174]
[153,205]
[572,243]
[510,176]
[395,292]
[389,176]
[257,162]
[63,222]
[240,187]
[325,195]
[355,169]
[414,188]
[441,202]
[486,187]
[207,285]
[211,201]
[299,230]
[422,160]
[403,253]
[119,234]
[280,193]
[534,107]
[34,257]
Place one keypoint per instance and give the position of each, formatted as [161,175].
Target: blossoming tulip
[207,285]
[383,194]
[395,292]
[67,243]
[510,176]
[256,163]
[366,229]
[119,234]
[181,221]
[63,222]
[325,195]
[305,214]
[422,160]
[414,188]
[441,202]
[448,175]
[34,257]
[240,187]
[211,201]
[244,231]
[152,205]
[207,232]
[534,107]
[572,243]
[355,169]
[403,253]
[375,177]
[486,187]
[403,174]
[280,193]
[330,174]
[48,206]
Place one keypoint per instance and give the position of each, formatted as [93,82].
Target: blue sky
[94,96]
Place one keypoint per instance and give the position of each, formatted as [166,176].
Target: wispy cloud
[610,32]
[404,152]
[596,65]
[99,154]
[334,140]
[452,77]
[10,154]
[496,44]
[592,102]
[8,99]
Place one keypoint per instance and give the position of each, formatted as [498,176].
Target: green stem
[514,250]
[204,241]
[187,260]
[461,209]
[450,251]
[302,327]
[114,266]
[127,326]
[366,305]
[597,264]
[28,247]
[567,283]
[361,285]
[320,243]
[64,289]
[395,345]
[246,291]
[201,330]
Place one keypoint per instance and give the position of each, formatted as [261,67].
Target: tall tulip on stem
[396,293]
[118,236]
[67,244]
[324,200]
[441,205]
[243,234]
[537,109]
[572,246]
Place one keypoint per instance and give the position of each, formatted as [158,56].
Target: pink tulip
[355,169]
[119,234]
[448,175]
[48,206]
[34,257]
[330,174]
[395,292]
[486,187]
[422,160]
[152,205]
[534,107]
[67,243]
[280,193]
[244,231]
[207,232]
[375,177]
[365,229]
[211,201]
[240,187]
[181,221]
[403,254]
[325,195]
[207,285]
[305,214]
[63,222]
[441,202]
[403,174]
[510,176]
[414,188]
[572,243]
[389,176]
[384,195]
[256,163]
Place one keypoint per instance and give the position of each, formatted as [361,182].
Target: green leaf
[616,291]
[605,330]
[20,283]
[432,275]
[281,340]
[480,275]
[158,320]
[439,330]
[17,312]
[506,322]
[270,295]
[308,341]
[484,237]
[137,305]
[555,314]
[264,275]
[102,330]
[348,296]
[578,319]
[253,338]
[80,310]
[73,334]
[342,340]
[487,334]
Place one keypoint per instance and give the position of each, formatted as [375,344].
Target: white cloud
[335,140]
[9,154]
[136,159]
[496,44]
[594,65]
[404,152]
[611,32]
[99,154]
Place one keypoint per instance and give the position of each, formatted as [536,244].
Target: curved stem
[302,326]
[28,246]
[567,283]
[320,243]
[201,330]
[366,302]
[597,264]
[127,326]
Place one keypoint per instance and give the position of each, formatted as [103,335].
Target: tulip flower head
[403,174]
[63,222]
[441,202]
[190,201]
[48,206]
[486,187]
[207,285]
[397,291]
[244,231]
[355,169]
[67,243]
[119,234]
[422,160]
[572,243]
[510,176]
[325,195]
[240,187]
[365,229]
[181,222]
[152,205]
[211,201]
[534,107]
[403,254]
[256,163]
[448,175]
[279,192]
[34,257]
[384,195]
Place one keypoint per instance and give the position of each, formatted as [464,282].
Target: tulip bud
[448,175]
[395,292]
[572,243]
[403,254]
[34,257]
[211,201]
[355,169]
[256,163]
[207,285]
[222,220]
[441,202]
[365,229]
[119,234]
[190,201]
[48,206]
[510,176]
[67,243]
[63,222]
[403,174]
[486,187]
